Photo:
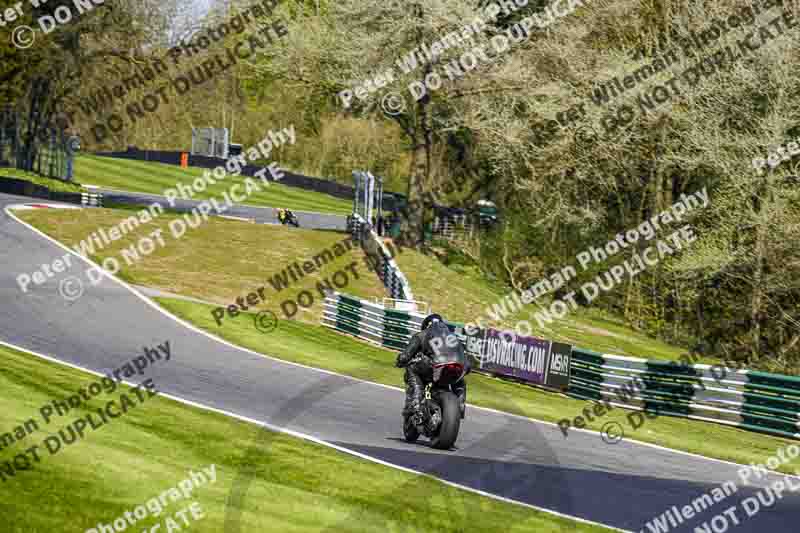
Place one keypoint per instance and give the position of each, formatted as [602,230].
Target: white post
[225,139]
[366,197]
[357,183]
[371,196]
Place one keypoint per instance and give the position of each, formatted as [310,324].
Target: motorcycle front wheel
[451,421]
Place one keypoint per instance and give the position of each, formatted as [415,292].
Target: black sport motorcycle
[441,409]
[292,220]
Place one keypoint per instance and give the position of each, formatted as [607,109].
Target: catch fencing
[757,401]
[9,136]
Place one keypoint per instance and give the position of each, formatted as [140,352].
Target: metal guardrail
[452,228]
[387,269]
[393,328]
[370,321]
[407,305]
[94,199]
[757,401]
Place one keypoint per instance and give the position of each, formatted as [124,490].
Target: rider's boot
[414,412]
[414,394]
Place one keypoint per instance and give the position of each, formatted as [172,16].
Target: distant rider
[291,219]
[416,358]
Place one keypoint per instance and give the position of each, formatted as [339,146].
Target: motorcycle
[292,220]
[289,219]
[441,408]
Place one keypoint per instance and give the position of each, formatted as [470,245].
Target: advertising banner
[558,366]
[523,358]
[528,359]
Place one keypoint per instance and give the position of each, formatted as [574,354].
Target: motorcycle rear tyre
[451,422]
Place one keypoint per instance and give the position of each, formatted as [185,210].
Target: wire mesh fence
[458,227]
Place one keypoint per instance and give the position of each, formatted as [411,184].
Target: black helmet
[430,319]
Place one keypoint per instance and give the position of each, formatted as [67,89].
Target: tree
[41,79]
[346,46]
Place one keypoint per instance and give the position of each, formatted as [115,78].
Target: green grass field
[288,484]
[154,178]
[220,260]
[469,296]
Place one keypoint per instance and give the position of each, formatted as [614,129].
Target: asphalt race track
[262,215]
[623,485]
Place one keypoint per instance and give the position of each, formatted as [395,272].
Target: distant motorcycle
[441,409]
[287,217]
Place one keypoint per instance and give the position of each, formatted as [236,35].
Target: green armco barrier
[370,321]
[751,400]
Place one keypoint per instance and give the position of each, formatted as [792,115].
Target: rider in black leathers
[418,353]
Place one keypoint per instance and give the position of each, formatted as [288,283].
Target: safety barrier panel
[94,199]
[370,321]
[387,269]
[27,188]
[757,401]
[407,305]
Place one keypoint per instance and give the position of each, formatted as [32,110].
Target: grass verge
[225,259]
[222,259]
[296,486]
